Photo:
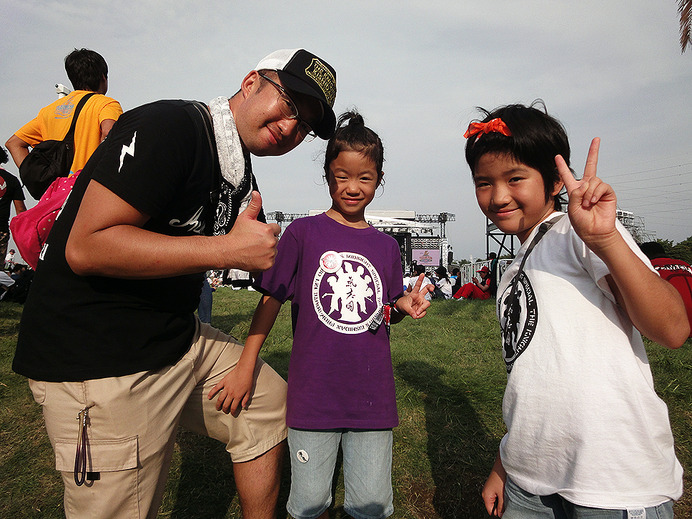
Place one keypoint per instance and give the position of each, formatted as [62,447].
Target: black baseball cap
[303,72]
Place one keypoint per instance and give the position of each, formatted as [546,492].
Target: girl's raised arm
[652,304]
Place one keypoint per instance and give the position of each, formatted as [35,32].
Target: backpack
[50,159]
[30,228]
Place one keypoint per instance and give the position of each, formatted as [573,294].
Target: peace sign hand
[414,303]
[592,203]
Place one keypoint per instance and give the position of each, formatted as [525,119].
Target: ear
[380,179]
[103,85]
[250,83]
[557,187]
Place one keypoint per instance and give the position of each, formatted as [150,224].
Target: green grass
[450,380]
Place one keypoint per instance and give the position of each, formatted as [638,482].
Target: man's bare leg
[257,482]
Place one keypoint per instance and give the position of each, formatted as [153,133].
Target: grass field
[450,380]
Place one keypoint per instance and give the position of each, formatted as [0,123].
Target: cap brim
[324,128]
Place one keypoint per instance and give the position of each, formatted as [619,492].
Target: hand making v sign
[592,203]
[592,212]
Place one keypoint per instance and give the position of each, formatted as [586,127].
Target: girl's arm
[494,489]
[235,389]
[413,303]
[652,304]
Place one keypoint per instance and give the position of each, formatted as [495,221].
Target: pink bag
[30,228]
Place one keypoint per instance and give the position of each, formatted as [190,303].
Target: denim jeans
[520,504]
[367,461]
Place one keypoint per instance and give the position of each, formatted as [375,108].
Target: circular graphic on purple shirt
[346,297]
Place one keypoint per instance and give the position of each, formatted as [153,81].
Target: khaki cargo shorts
[131,425]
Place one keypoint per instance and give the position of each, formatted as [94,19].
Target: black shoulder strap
[204,114]
[80,105]
[208,126]
[542,229]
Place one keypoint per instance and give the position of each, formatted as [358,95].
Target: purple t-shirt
[337,278]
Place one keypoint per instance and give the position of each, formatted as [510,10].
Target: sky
[416,71]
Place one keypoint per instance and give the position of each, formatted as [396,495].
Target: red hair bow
[494,125]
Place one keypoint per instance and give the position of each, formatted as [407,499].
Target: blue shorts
[367,461]
[520,504]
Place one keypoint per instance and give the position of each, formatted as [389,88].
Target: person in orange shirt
[88,72]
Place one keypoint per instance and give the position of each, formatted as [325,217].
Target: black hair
[653,249]
[442,272]
[352,135]
[536,138]
[3,155]
[86,69]
[419,269]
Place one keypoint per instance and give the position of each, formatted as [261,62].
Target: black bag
[50,159]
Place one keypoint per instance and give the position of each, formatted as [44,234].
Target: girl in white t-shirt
[443,284]
[586,429]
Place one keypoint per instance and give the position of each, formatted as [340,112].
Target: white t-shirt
[582,415]
[5,279]
[445,285]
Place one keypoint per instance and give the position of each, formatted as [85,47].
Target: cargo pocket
[109,483]
[102,455]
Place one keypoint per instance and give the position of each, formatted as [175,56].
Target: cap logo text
[324,79]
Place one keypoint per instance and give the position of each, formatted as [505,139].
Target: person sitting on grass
[443,285]
[477,289]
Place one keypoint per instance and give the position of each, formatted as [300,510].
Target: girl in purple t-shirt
[343,278]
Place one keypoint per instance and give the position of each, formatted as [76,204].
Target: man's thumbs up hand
[252,243]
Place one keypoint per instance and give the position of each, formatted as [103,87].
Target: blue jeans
[367,459]
[205,302]
[520,504]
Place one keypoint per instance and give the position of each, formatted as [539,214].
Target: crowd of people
[452,286]
[116,343]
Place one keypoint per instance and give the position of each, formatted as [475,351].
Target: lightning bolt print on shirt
[127,150]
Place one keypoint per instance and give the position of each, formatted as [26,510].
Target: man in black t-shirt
[108,334]
[10,193]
